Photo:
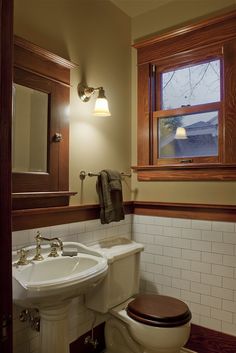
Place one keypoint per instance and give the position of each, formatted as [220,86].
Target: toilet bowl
[138,323]
[167,331]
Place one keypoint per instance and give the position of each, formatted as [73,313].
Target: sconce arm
[85,92]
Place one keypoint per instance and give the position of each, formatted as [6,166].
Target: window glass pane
[194,135]
[197,84]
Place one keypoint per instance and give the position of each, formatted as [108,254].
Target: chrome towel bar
[83,174]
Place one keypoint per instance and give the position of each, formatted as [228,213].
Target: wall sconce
[101,105]
[181,133]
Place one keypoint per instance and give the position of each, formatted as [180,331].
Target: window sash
[203,108]
[175,71]
[197,58]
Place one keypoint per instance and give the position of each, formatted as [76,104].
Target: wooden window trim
[208,39]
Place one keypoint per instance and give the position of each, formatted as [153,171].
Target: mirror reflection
[30,129]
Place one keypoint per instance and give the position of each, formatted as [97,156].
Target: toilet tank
[122,280]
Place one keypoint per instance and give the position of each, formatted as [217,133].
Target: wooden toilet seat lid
[159,310]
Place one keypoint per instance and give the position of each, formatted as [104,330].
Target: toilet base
[118,340]
[181,351]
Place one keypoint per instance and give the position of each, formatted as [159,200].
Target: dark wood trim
[172,34]
[190,56]
[186,172]
[41,75]
[6,54]
[189,29]
[30,57]
[42,70]
[35,49]
[44,217]
[186,210]
[177,166]
[199,42]
[204,340]
[229,129]
[23,200]
[144,113]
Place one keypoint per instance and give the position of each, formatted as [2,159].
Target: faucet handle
[23,257]
[54,247]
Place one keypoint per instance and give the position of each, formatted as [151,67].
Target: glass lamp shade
[181,134]
[101,107]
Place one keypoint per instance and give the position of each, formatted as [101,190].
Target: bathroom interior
[179,223]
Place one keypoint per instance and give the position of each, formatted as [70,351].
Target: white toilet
[137,323]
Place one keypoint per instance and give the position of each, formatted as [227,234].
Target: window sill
[217,172]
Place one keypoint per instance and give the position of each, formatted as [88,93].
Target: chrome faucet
[55,243]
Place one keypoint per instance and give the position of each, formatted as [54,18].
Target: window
[186,103]
[189,112]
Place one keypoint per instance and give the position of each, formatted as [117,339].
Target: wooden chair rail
[44,217]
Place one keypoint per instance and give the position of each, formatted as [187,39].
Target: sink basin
[40,283]
[50,285]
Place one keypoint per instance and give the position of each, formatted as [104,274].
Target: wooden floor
[203,340]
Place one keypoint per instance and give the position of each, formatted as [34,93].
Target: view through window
[187,133]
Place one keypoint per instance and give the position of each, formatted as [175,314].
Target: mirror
[30,129]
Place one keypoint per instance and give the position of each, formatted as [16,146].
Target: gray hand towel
[114,179]
[109,189]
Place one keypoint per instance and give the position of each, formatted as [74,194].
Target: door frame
[6,54]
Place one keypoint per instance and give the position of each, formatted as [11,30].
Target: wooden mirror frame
[42,70]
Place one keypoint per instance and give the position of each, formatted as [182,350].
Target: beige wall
[96,35]
[145,25]
[175,13]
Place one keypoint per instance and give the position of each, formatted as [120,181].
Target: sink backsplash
[83,232]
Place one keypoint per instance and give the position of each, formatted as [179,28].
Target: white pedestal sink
[50,285]
[54,329]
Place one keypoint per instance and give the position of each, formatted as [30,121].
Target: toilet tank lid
[117,248]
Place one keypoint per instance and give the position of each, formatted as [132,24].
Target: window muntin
[191,85]
[192,135]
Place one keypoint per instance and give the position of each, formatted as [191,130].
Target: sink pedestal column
[54,336]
